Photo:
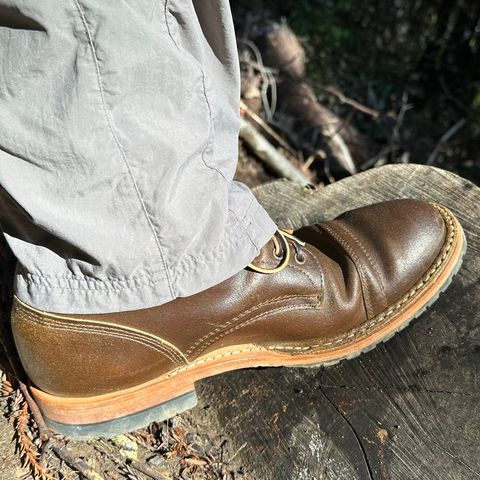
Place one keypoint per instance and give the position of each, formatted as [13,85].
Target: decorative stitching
[260,316]
[210,141]
[359,267]
[309,278]
[320,271]
[369,258]
[109,121]
[41,316]
[53,325]
[199,343]
[209,359]
[172,355]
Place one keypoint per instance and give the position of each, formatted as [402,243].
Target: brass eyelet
[281,265]
[300,259]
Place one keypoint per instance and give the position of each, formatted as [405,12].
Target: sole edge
[127,423]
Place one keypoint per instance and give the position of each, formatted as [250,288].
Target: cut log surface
[409,409]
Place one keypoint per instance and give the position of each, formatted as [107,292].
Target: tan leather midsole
[95,409]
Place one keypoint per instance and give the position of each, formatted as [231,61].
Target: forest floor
[399,81]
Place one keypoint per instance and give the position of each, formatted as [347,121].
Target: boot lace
[282,242]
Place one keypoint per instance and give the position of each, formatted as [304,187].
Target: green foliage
[476,103]
[316,22]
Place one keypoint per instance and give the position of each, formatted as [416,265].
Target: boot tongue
[266,257]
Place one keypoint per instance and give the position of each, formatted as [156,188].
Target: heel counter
[68,357]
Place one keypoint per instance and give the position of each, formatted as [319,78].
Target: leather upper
[351,269]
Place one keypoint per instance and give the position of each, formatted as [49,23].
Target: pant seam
[117,141]
[43,282]
[207,101]
[120,278]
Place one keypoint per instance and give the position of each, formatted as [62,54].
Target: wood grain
[410,409]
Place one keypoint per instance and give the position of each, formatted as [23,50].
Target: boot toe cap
[397,242]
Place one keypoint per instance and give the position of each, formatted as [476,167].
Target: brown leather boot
[329,292]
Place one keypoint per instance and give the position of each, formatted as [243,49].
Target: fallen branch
[269,154]
[349,101]
[313,127]
[261,123]
[76,464]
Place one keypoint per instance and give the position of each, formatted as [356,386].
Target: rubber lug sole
[129,423]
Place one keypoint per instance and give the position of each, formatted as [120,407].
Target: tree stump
[409,409]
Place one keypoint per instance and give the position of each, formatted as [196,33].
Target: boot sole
[173,393]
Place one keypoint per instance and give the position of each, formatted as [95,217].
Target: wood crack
[352,429]
[407,389]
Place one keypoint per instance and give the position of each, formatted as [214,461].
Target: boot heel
[127,423]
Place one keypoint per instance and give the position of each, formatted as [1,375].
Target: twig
[43,451]
[236,453]
[261,123]
[44,432]
[64,454]
[269,154]
[351,102]
[380,156]
[344,123]
[400,117]
[444,139]
[308,162]
[106,450]
[7,345]
[326,171]
[146,470]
